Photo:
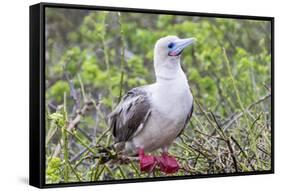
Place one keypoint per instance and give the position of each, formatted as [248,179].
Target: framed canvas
[122,95]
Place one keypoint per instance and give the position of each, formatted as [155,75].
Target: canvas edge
[36,133]
[37,176]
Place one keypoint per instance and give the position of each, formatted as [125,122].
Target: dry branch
[227,140]
[238,115]
[72,124]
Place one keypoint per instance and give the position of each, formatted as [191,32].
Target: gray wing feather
[130,115]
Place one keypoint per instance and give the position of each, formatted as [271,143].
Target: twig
[109,170]
[82,158]
[79,154]
[74,171]
[81,141]
[82,89]
[243,152]
[210,136]
[233,80]
[52,80]
[52,106]
[226,139]
[65,142]
[96,105]
[75,121]
[102,135]
[232,155]
[258,101]
[255,121]
[121,172]
[135,168]
[218,125]
[238,115]
[208,119]
[97,176]
[94,172]
[266,87]
[73,92]
[97,120]
[82,131]
[264,151]
[196,159]
[260,133]
[122,57]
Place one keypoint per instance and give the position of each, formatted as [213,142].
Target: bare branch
[72,124]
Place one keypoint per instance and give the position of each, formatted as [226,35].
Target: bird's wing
[130,115]
[189,115]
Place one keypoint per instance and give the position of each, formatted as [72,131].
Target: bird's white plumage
[170,101]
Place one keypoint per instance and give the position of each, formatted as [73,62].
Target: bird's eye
[171,45]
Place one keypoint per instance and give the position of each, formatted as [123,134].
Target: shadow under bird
[153,116]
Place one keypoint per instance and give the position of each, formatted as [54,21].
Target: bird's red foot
[147,162]
[168,164]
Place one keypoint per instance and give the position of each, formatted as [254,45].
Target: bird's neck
[169,70]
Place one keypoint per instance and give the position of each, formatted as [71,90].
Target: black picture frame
[37,93]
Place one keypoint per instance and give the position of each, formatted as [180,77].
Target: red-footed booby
[153,116]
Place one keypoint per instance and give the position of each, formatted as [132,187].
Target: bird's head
[167,52]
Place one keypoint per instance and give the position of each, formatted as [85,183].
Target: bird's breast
[170,104]
[173,100]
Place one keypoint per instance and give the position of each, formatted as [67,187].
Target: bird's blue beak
[177,46]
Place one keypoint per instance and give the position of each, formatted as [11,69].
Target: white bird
[153,116]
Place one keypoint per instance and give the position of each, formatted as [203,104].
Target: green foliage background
[94,57]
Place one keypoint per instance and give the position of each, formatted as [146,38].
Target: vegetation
[93,58]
